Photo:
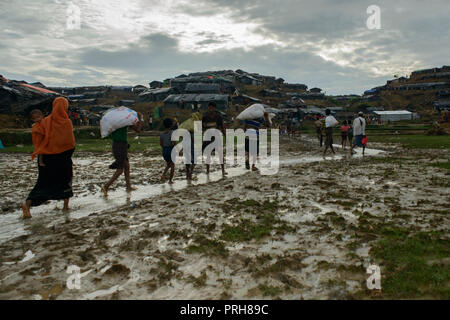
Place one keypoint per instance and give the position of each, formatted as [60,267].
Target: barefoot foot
[105,191]
[26,212]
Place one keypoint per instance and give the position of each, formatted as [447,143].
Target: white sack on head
[117,118]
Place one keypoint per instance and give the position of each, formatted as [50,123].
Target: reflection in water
[11,225]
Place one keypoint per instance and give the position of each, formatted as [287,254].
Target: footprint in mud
[118,270]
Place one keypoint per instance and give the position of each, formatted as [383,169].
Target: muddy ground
[305,233]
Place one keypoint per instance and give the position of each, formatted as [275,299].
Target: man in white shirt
[330,122]
[359,131]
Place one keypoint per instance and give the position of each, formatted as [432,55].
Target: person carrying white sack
[330,122]
[120,148]
[255,117]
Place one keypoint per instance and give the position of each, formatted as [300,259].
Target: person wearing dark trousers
[330,122]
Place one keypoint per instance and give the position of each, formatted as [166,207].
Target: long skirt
[54,180]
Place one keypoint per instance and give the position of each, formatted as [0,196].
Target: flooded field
[308,232]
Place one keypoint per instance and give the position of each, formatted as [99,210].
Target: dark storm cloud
[298,66]
[322,43]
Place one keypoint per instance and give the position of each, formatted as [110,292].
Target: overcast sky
[323,43]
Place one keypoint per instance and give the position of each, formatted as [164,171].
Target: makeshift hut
[195,102]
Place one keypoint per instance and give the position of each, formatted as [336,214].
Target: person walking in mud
[319,131]
[330,122]
[359,131]
[251,129]
[121,164]
[212,120]
[54,143]
[350,133]
[167,145]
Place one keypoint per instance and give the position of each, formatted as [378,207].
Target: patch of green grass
[268,290]
[208,246]
[199,281]
[412,264]
[264,223]
[97,145]
[167,266]
[386,160]
[323,265]
[246,230]
[292,262]
[405,127]
[442,165]
[18,149]
[414,141]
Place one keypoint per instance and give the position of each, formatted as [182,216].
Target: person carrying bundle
[251,129]
[120,147]
[330,122]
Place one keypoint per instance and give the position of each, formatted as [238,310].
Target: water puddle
[11,225]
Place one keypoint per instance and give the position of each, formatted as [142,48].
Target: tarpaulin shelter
[396,115]
[19,97]
[196,102]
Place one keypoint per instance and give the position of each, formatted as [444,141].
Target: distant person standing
[293,127]
[150,123]
[76,118]
[288,124]
[359,131]
[330,122]
[70,114]
[344,134]
[318,125]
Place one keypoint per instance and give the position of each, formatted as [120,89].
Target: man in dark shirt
[212,120]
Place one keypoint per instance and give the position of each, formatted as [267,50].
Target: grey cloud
[414,33]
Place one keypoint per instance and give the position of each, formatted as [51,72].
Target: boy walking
[165,140]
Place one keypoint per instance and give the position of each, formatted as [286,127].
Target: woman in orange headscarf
[56,148]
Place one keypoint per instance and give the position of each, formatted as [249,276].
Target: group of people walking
[354,134]
[210,120]
[54,145]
